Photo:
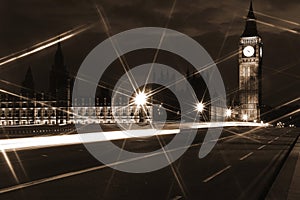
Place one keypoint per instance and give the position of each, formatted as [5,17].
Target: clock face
[248,51]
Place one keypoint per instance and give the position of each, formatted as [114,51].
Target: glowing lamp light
[228,112]
[140,99]
[200,107]
[245,117]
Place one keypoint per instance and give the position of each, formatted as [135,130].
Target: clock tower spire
[250,61]
[251,28]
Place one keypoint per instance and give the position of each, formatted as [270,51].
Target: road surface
[239,167]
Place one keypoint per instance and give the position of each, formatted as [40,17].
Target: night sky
[215,24]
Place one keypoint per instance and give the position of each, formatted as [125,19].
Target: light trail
[44,42]
[36,50]
[222,124]
[283,68]
[226,36]
[62,140]
[174,171]
[208,66]
[19,87]
[278,27]
[74,173]
[277,18]
[87,80]
[40,102]
[9,164]
[20,163]
[282,72]
[266,125]
[282,105]
[279,71]
[113,171]
[26,98]
[243,136]
[41,46]
[160,43]
[285,116]
[117,50]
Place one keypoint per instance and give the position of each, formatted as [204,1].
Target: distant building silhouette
[28,85]
[59,80]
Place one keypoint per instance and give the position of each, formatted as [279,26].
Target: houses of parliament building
[56,107]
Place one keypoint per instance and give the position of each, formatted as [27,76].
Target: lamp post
[200,108]
[228,113]
[245,117]
[140,100]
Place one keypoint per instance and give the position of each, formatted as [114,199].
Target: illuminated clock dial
[248,51]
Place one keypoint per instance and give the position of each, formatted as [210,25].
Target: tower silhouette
[250,70]
[28,86]
[59,78]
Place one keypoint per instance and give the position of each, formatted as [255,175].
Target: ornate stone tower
[27,89]
[59,78]
[250,71]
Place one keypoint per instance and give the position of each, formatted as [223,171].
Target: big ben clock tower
[250,61]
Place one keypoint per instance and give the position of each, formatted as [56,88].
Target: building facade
[17,111]
[55,107]
[250,70]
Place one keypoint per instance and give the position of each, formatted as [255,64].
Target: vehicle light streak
[61,140]
[226,124]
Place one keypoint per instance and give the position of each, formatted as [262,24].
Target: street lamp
[140,99]
[245,117]
[228,113]
[200,107]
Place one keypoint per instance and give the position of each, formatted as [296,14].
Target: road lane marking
[270,141]
[263,146]
[283,134]
[69,174]
[246,156]
[217,174]
[74,173]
